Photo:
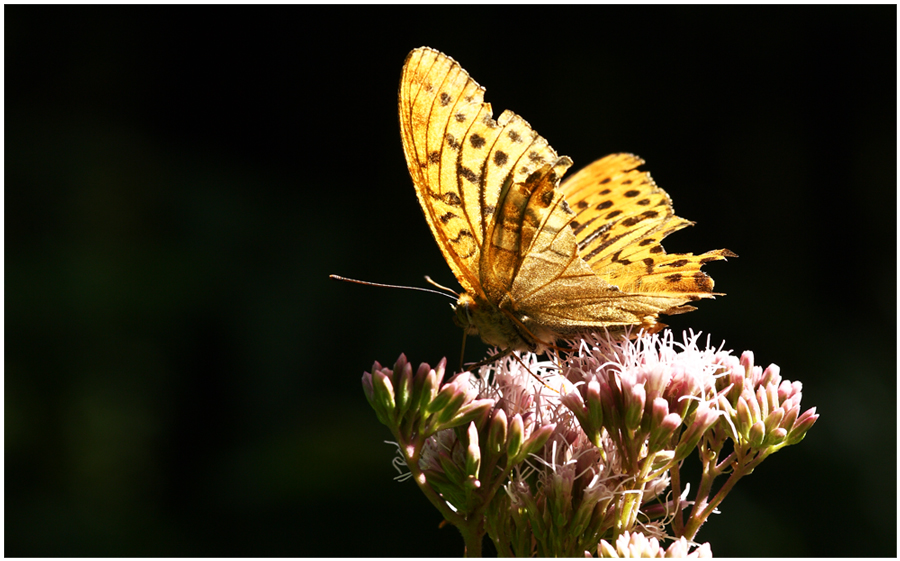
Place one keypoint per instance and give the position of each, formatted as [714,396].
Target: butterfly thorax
[500,325]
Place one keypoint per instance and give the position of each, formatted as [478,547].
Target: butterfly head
[463,310]
[497,326]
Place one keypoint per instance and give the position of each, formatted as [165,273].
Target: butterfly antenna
[420,289]
[429,280]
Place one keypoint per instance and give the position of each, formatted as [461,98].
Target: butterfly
[537,261]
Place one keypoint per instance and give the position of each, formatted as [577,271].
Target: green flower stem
[473,536]
[411,454]
[631,503]
[703,508]
[678,517]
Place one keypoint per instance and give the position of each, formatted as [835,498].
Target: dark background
[183,379]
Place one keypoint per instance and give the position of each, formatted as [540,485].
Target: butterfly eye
[463,310]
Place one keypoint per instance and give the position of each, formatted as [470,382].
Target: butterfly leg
[462,353]
[474,366]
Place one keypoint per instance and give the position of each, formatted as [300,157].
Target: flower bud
[660,435]
[443,397]
[790,417]
[453,391]
[704,418]
[753,404]
[635,397]
[404,388]
[772,402]
[473,452]
[516,437]
[747,362]
[450,407]
[776,437]
[367,385]
[757,435]
[771,375]
[659,412]
[803,424]
[773,421]
[536,441]
[497,432]
[575,403]
[473,411]
[428,390]
[383,392]
[743,419]
[595,402]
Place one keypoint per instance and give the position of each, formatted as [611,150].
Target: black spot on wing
[470,175]
[546,198]
[632,220]
[462,235]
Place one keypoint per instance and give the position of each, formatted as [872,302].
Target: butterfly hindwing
[551,289]
[622,217]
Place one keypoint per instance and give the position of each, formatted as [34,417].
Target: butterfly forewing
[459,156]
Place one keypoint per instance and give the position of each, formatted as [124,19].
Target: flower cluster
[569,456]
[630,545]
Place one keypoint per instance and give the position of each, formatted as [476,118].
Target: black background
[183,379]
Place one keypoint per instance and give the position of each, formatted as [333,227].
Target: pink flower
[551,457]
[637,545]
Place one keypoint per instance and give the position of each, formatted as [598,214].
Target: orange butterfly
[537,261]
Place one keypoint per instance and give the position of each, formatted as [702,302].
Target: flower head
[566,456]
[637,545]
